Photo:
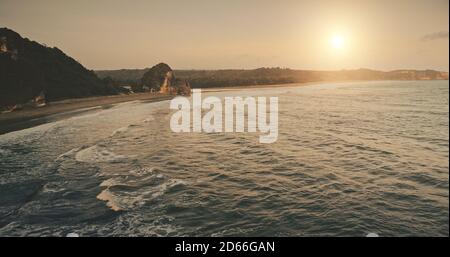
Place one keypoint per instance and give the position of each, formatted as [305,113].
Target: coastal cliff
[32,73]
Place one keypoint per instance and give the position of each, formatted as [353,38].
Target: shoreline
[53,111]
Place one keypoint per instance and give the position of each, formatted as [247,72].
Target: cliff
[31,72]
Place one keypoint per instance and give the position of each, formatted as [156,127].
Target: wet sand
[58,110]
[26,118]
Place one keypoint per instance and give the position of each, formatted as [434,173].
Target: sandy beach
[26,118]
[57,110]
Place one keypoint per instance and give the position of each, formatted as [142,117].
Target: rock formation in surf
[161,78]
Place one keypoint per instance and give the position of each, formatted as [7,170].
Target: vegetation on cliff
[29,70]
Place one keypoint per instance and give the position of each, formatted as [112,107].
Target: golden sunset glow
[337,42]
[301,34]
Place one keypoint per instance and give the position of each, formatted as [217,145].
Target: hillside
[123,75]
[29,69]
[268,76]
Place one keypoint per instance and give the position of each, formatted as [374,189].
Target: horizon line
[279,67]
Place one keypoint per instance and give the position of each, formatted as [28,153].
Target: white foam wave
[4,151]
[150,118]
[120,130]
[68,153]
[119,200]
[95,154]
[165,186]
[110,200]
[52,187]
[142,171]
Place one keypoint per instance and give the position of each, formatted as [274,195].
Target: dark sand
[27,118]
[58,110]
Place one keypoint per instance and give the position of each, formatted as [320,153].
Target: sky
[222,34]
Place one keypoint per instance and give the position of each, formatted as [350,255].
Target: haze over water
[351,159]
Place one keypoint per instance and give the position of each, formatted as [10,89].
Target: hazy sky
[213,34]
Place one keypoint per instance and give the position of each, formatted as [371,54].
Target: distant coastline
[271,76]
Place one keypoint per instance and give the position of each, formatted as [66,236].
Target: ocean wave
[150,118]
[95,154]
[126,192]
[4,152]
[68,154]
[142,171]
[120,130]
[53,187]
[340,167]
[110,200]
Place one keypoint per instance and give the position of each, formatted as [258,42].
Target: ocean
[351,159]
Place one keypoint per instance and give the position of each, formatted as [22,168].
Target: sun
[337,42]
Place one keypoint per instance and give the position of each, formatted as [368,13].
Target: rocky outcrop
[167,85]
[158,76]
[161,78]
[29,70]
[184,88]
